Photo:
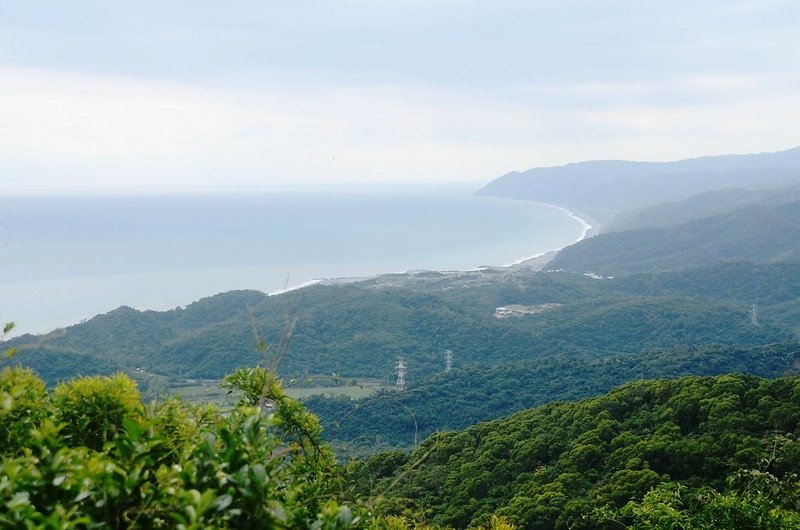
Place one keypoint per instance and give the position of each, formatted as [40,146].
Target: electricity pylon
[401,374]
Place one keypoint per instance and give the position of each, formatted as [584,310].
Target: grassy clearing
[353,392]
[210,392]
[202,393]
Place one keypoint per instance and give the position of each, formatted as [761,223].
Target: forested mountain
[359,329]
[124,339]
[769,284]
[699,206]
[577,465]
[755,233]
[617,185]
[463,397]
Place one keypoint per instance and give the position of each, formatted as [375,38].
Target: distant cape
[604,187]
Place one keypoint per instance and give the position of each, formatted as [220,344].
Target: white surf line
[585,225]
[295,287]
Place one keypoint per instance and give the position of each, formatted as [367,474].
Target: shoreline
[588,230]
[79,310]
[536,262]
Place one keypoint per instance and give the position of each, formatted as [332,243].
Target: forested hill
[463,397]
[755,233]
[714,452]
[618,185]
[699,206]
[359,330]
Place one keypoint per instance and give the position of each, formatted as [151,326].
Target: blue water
[64,259]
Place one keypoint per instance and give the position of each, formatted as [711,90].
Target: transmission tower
[448,360]
[754,315]
[401,374]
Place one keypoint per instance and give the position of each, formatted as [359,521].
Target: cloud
[62,128]
[104,129]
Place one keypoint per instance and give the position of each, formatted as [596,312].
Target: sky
[274,94]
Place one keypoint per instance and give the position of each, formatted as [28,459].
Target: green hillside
[576,465]
[463,397]
[699,206]
[359,330]
[756,233]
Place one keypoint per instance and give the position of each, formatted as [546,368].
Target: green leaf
[133,428]
[223,502]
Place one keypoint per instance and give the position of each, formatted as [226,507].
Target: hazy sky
[276,93]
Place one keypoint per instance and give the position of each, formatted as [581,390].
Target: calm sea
[64,259]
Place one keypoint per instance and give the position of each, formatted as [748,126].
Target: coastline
[535,262]
[588,229]
[73,301]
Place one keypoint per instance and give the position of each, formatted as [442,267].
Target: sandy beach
[537,261]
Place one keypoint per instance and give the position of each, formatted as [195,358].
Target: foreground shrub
[755,500]
[93,409]
[23,405]
[99,459]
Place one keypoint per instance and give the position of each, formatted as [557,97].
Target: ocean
[65,259]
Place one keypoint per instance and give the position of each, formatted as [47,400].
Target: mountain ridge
[602,187]
[754,233]
[705,204]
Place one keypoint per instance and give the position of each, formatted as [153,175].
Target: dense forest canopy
[589,464]
[463,397]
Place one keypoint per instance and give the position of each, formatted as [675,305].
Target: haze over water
[69,258]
